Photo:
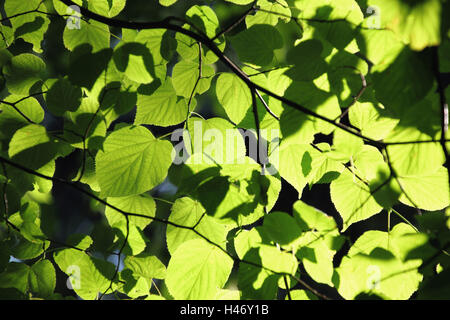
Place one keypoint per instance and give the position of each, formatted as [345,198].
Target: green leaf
[189,49]
[13,8]
[256,44]
[109,8]
[382,267]
[378,273]
[116,102]
[160,44]
[167,3]
[204,18]
[317,258]
[93,33]
[310,218]
[81,241]
[242,193]
[323,168]
[162,107]
[381,47]
[352,199]
[32,26]
[234,95]
[190,213]
[63,9]
[42,278]
[86,127]
[294,165]
[145,266]
[301,295]
[414,158]
[345,16]
[85,67]
[273,12]
[415,22]
[258,283]
[397,86]
[7,39]
[63,96]
[282,228]
[372,120]
[428,191]
[137,204]
[11,120]
[306,60]
[15,276]
[39,279]
[133,287]
[197,270]
[33,147]
[369,162]
[23,249]
[225,294]
[28,137]
[184,78]
[402,241]
[133,161]
[245,240]
[296,128]
[240,2]
[135,61]
[88,276]
[345,146]
[22,72]
[316,99]
[214,141]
